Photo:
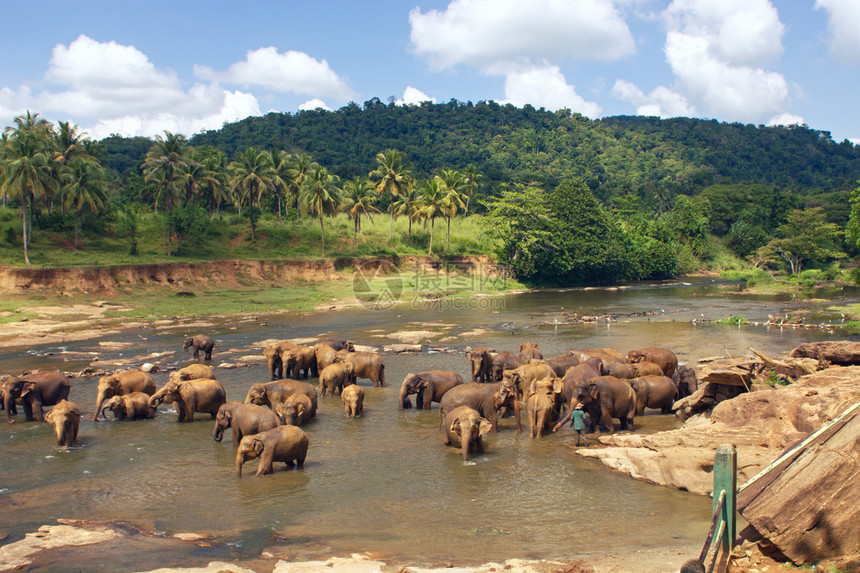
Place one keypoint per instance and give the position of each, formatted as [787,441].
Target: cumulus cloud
[313,104]
[717,51]
[546,87]
[414,96]
[843,21]
[661,102]
[291,71]
[499,36]
[121,91]
[786,119]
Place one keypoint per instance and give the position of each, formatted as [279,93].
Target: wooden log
[808,505]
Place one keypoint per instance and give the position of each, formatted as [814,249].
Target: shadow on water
[383,482]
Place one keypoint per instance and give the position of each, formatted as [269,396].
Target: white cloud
[292,71]
[414,96]
[121,91]
[786,119]
[313,104]
[843,22]
[717,51]
[499,36]
[546,87]
[661,102]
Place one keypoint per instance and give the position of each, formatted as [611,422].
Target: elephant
[14,409]
[618,369]
[132,406]
[65,417]
[202,395]
[243,420]
[560,364]
[296,410]
[541,404]
[524,375]
[325,355]
[191,372]
[654,392]
[299,362]
[685,380]
[121,383]
[608,354]
[336,376]
[530,351]
[428,387]
[604,398]
[199,342]
[464,427]
[353,400]
[662,357]
[288,444]
[273,357]
[365,365]
[482,364]
[590,368]
[272,394]
[35,390]
[505,361]
[645,368]
[338,344]
[487,399]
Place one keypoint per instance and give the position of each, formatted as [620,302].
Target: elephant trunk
[403,399]
[155,400]
[218,433]
[99,401]
[100,412]
[517,415]
[240,459]
[8,405]
[465,433]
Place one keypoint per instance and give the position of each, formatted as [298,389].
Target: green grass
[227,236]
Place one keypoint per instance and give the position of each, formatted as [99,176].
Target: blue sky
[135,68]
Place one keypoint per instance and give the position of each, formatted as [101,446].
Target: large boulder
[761,424]
[842,352]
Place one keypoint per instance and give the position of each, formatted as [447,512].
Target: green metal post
[726,478]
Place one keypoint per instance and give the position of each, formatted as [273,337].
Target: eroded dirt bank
[224,273]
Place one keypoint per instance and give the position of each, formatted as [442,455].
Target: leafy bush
[736,319]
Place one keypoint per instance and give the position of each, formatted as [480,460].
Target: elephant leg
[29,409]
[479,445]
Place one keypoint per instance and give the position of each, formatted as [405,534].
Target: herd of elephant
[266,424]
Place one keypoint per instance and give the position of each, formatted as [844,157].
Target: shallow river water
[385,482]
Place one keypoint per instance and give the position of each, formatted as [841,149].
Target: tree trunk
[448,238]
[355,234]
[391,228]
[322,233]
[432,224]
[24,201]
[77,222]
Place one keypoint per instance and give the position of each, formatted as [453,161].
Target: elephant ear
[469,356]
[257,446]
[557,385]
[300,408]
[592,389]
[28,387]
[484,426]
[421,384]
[49,418]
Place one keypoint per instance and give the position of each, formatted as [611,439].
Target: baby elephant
[65,417]
[243,420]
[353,400]
[288,444]
[464,427]
[295,410]
[134,406]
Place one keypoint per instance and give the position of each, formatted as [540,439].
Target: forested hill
[614,156]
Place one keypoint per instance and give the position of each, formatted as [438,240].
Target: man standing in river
[578,420]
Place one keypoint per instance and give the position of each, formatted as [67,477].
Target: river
[384,482]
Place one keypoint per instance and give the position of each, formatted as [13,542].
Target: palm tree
[407,204]
[84,188]
[360,194]
[209,182]
[281,162]
[165,165]
[453,181]
[393,175]
[432,202]
[27,168]
[321,195]
[471,182]
[251,176]
[299,167]
[69,142]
